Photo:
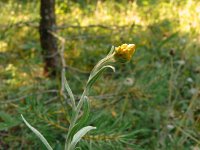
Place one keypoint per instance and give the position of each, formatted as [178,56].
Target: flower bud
[124,52]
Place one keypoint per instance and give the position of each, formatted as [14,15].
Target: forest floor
[150,103]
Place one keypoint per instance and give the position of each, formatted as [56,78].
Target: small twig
[53,123]
[77,70]
[192,102]
[62,40]
[24,96]
[34,23]
[188,135]
[105,96]
[84,37]
[51,100]
[63,82]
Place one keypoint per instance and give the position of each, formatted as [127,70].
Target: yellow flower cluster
[124,52]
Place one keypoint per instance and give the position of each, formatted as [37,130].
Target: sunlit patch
[3,46]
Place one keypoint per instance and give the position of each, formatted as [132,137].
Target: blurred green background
[151,103]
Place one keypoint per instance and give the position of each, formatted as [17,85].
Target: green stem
[77,109]
[74,119]
[102,63]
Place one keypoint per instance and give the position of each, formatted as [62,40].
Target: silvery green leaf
[96,75]
[103,62]
[83,119]
[71,95]
[111,50]
[38,134]
[86,111]
[77,137]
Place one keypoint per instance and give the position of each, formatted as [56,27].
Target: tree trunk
[47,40]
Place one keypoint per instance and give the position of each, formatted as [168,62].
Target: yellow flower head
[124,52]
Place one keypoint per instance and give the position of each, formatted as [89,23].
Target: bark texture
[47,40]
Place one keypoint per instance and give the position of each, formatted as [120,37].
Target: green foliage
[38,134]
[154,98]
[7,121]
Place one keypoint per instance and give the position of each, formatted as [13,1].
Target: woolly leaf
[111,51]
[38,134]
[82,121]
[77,137]
[71,95]
[97,75]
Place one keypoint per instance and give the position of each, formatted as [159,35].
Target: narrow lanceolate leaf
[103,62]
[97,74]
[111,50]
[38,134]
[77,137]
[71,95]
[86,112]
[83,119]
